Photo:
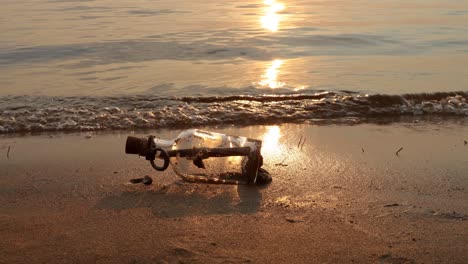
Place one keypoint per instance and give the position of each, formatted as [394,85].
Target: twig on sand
[298,144]
[8,151]
[281,163]
[399,151]
[303,142]
[466,142]
[362,150]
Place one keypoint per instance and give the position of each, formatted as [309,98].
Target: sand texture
[342,196]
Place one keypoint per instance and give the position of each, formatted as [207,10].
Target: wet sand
[343,196]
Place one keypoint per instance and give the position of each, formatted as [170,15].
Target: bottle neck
[161,143]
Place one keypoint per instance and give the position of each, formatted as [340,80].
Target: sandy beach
[343,197]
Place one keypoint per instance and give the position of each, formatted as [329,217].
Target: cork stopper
[136,145]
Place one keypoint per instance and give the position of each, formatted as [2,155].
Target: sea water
[121,64]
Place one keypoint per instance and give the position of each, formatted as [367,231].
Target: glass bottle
[197,155]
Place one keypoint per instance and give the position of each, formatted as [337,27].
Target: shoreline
[37,114]
[344,196]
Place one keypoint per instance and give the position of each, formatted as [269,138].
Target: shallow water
[65,47]
[161,49]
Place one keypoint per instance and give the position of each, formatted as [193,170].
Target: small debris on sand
[391,205]
[399,151]
[137,180]
[282,163]
[147,180]
[293,220]
[303,142]
[8,150]
[299,144]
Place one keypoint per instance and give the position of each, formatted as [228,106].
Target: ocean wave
[42,113]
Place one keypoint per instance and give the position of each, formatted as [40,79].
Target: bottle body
[209,156]
[215,156]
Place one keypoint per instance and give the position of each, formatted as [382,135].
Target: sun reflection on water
[270,78]
[271,19]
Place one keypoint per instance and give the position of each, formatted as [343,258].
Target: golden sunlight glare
[271,19]
[270,141]
[270,78]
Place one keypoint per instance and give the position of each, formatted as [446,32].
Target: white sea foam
[28,113]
